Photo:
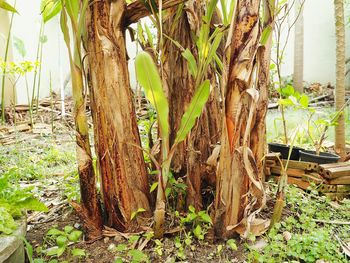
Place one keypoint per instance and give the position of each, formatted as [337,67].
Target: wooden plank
[333,165]
[267,171]
[296,181]
[311,178]
[341,180]
[270,163]
[290,171]
[332,173]
[324,167]
[343,188]
[273,156]
[326,188]
[317,175]
[337,196]
[301,165]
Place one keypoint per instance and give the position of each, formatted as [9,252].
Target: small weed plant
[299,237]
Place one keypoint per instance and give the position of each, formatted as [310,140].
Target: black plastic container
[284,150]
[311,156]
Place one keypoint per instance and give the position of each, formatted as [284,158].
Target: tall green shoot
[4,5]
[148,77]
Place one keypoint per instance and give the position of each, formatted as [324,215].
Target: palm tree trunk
[298,48]
[121,164]
[340,75]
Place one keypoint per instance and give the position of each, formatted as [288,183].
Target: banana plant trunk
[340,75]
[89,208]
[258,133]
[239,191]
[122,169]
[191,155]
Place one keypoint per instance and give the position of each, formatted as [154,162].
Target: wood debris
[332,180]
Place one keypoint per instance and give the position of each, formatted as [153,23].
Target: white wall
[319,43]
[26,26]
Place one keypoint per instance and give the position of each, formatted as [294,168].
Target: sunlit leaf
[135,213]
[149,36]
[32,203]
[153,187]
[6,6]
[193,111]
[75,235]
[61,241]
[304,101]
[50,8]
[192,64]
[265,35]
[72,7]
[78,252]
[148,77]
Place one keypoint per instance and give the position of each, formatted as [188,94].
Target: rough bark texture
[340,75]
[239,193]
[299,48]
[89,209]
[122,169]
[258,133]
[191,155]
[137,10]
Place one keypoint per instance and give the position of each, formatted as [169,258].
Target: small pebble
[76,225]
[106,240]
[287,235]
[111,247]
[118,239]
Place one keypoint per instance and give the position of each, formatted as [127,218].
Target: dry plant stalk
[240,194]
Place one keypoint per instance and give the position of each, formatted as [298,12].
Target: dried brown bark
[137,10]
[122,169]
[89,208]
[258,133]
[239,192]
[191,155]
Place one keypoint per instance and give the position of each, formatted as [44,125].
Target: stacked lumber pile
[332,179]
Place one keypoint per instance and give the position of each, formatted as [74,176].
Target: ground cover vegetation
[174,170]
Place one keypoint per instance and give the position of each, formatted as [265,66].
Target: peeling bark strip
[137,10]
[239,191]
[89,209]
[258,134]
[124,178]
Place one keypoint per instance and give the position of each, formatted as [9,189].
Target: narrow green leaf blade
[6,6]
[265,35]
[50,8]
[148,77]
[192,64]
[72,7]
[194,111]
